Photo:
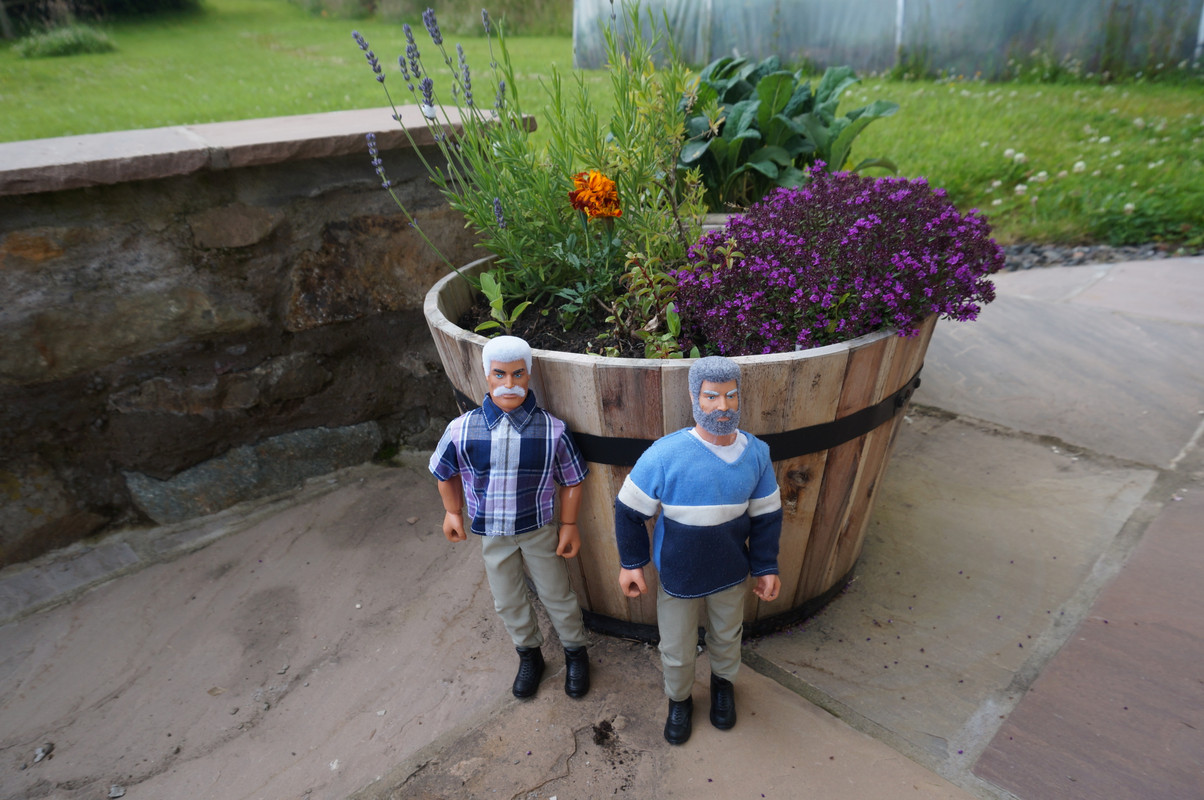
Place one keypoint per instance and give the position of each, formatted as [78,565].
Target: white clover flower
[1063,174]
[1021,188]
[1095,174]
[1116,154]
[1120,167]
[1020,158]
[996,202]
[995,184]
[1080,166]
[1009,153]
[1041,177]
[1105,139]
[1130,208]
[1139,123]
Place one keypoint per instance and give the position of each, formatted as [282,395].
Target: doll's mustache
[513,391]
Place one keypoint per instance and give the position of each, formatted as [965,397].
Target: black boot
[530,670]
[576,671]
[723,703]
[679,723]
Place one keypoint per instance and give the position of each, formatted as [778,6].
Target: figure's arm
[765,525]
[452,493]
[569,542]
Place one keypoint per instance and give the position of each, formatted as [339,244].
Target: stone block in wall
[235,225]
[372,264]
[248,472]
[100,328]
[287,377]
[38,512]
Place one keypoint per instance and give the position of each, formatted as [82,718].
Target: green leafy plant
[756,126]
[644,311]
[500,319]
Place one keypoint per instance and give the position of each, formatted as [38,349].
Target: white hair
[505,349]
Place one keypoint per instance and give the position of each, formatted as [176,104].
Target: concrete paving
[1023,623]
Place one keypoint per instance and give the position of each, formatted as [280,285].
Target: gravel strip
[1031,256]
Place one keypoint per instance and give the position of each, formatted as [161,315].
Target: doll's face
[718,409]
[508,382]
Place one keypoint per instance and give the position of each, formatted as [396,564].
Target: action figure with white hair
[720,521]
[507,459]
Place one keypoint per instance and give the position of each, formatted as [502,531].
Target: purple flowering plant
[842,256]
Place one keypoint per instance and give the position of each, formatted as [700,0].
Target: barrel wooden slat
[676,409]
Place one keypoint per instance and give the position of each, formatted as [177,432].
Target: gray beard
[712,424]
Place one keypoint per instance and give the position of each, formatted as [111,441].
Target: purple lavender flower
[485,21]
[368,54]
[497,213]
[415,58]
[432,27]
[376,161]
[465,77]
[427,87]
[499,101]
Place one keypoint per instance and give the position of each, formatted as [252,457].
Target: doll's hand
[453,527]
[632,581]
[767,587]
[569,543]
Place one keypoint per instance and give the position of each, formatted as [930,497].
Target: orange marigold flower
[595,195]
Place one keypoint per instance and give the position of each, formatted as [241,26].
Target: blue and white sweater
[718,521]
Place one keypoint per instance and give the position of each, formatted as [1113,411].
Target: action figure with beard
[720,520]
[507,459]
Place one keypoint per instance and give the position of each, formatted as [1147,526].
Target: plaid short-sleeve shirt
[510,465]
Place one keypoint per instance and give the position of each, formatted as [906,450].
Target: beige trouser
[677,619]
[504,560]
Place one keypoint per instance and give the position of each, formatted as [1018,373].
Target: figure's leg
[677,620]
[551,578]
[504,568]
[725,624]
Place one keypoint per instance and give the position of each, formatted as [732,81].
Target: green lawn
[1139,145]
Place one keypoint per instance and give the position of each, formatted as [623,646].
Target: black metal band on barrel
[619,451]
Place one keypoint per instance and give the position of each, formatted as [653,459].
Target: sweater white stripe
[705,515]
[764,505]
[636,499]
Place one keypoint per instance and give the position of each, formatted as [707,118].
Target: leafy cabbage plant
[754,127]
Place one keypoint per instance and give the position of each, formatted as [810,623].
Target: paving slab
[1051,359]
[1119,712]
[975,561]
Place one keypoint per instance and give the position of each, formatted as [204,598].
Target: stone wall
[190,317]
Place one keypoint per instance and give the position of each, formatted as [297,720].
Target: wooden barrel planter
[829,415]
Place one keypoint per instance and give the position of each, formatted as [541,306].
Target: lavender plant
[842,256]
[560,218]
